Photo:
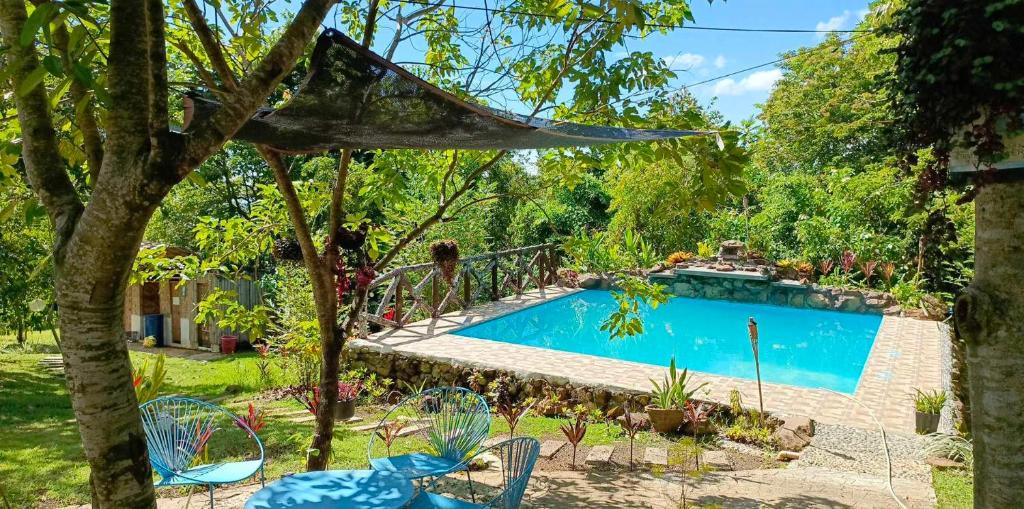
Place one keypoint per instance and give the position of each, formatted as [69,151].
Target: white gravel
[855,450]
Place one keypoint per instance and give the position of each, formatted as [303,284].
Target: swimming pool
[802,347]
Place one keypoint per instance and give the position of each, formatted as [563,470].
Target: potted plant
[669,398]
[228,344]
[347,394]
[928,406]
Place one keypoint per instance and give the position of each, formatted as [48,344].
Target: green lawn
[41,461]
[953,489]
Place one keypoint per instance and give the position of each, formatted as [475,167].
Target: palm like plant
[389,432]
[696,414]
[513,413]
[632,425]
[574,432]
[825,266]
[868,268]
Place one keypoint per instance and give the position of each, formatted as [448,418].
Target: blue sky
[701,55]
[709,54]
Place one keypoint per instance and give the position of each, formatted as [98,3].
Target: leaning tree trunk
[990,315]
[90,278]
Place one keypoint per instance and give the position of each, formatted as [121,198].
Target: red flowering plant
[847,261]
[309,397]
[825,266]
[253,421]
[868,268]
[349,391]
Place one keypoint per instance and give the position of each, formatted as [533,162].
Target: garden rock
[790,440]
[590,282]
[800,424]
[717,460]
[600,455]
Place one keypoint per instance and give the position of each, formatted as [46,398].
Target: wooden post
[542,268]
[520,268]
[495,294]
[466,294]
[554,263]
[398,299]
[435,290]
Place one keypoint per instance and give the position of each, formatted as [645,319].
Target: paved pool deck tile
[906,355]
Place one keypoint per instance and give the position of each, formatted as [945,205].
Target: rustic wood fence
[414,292]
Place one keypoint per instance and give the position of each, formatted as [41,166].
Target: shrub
[929,402]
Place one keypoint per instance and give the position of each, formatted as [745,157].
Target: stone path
[849,449]
[52,364]
[600,455]
[549,448]
[777,488]
[656,456]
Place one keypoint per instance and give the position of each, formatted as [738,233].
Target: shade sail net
[354,98]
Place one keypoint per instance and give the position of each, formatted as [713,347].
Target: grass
[953,489]
[41,460]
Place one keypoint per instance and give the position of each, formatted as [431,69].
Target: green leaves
[33,80]
[39,18]
[634,292]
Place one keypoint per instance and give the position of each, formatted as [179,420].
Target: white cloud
[834,23]
[719,61]
[684,61]
[755,82]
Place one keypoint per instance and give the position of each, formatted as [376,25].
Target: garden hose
[885,447]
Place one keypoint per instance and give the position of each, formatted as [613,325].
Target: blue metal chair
[182,432]
[518,456]
[452,420]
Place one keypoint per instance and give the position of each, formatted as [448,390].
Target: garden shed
[170,308]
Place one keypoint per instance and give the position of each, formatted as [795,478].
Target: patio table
[335,489]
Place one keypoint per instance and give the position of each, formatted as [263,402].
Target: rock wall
[778,292]
[417,370]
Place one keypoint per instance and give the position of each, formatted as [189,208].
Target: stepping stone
[364,427]
[717,460]
[549,448]
[409,430]
[497,439]
[600,455]
[656,456]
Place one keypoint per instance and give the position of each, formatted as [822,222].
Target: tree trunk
[90,282]
[20,334]
[990,316]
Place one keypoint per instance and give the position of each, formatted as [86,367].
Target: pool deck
[907,354]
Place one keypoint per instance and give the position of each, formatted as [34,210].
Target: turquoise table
[335,489]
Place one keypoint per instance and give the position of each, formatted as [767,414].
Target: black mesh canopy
[354,98]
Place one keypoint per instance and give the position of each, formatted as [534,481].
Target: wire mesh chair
[453,421]
[518,456]
[183,433]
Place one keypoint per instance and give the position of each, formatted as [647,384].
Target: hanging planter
[446,256]
[351,240]
[287,250]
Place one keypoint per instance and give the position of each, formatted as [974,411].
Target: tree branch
[211,133]
[128,76]
[337,213]
[211,45]
[43,164]
[294,205]
[158,125]
[438,214]
[85,113]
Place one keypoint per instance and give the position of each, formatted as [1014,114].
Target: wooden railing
[414,292]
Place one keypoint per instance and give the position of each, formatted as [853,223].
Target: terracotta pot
[228,344]
[665,420]
[345,410]
[926,423]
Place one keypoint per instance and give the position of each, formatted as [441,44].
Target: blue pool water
[802,347]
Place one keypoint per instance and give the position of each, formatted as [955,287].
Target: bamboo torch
[752,328]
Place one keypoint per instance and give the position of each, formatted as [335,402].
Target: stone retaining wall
[417,370]
[786,293]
